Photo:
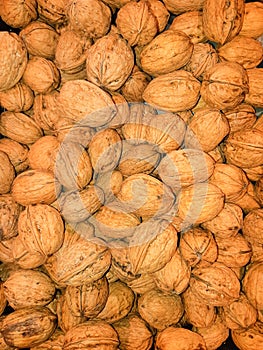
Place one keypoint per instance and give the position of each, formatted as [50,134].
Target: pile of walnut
[131,174]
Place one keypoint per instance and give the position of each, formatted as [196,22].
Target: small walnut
[52,11]
[9,212]
[17,99]
[241,117]
[17,153]
[18,14]
[253,23]
[255,92]
[252,285]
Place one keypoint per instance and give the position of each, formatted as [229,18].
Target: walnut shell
[28,288]
[41,75]
[89,18]
[17,153]
[241,117]
[227,223]
[198,247]
[160,310]
[91,334]
[55,342]
[118,304]
[222,20]
[19,127]
[86,102]
[15,60]
[41,229]
[133,332]
[255,93]
[3,300]
[109,62]
[202,120]
[258,190]
[176,91]
[17,99]
[184,167]
[9,212]
[137,23]
[243,148]
[7,173]
[174,276]
[177,7]
[248,338]
[141,284]
[179,338]
[136,83]
[252,285]
[216,284]
[252,23]
[167,52]
[239,314]
[41,39]
[87,300]
[199,203]
[160,12]
[197,313]
[35,187]
[191,24]
[225,85]
[110,182]
[18,15]
[28,326]
[52,11]
[244,50]
[91,260]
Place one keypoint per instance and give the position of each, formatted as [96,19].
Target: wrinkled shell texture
[131,174]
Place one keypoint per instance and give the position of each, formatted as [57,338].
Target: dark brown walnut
[7,173]
[249,338]
[28,327]
[180,339]
[52,11]
[197,313]
[141,158]
[41,75]
[160,310]
[77,206]
[17,153]
[73,167]
[222,20]
[71,52]
[252,286]
[199,203]
[17,99]
[41,229]
[105,150]
[198,247]
[83,101]
[225,85]
[234,251]
[66,318]
[134,86]
[231,180]
[240,314]
[9,212]
[19,127]
[166,53]
[41,39]
[133,332]
[244,50]
[177,7]
[205,119]
[176,91]
[90,334]
[241,117]
[255,93]
[142,254]
[55,342]
[184,167]
[215,334]
[14,61]
[78,260]
[216,284]
[87,300]
[252,23]
[89,18]
[174,276]
[243,148]
[191,24]
[119,302]
[109,62]
[137,23]
[28,288]
[227,223]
